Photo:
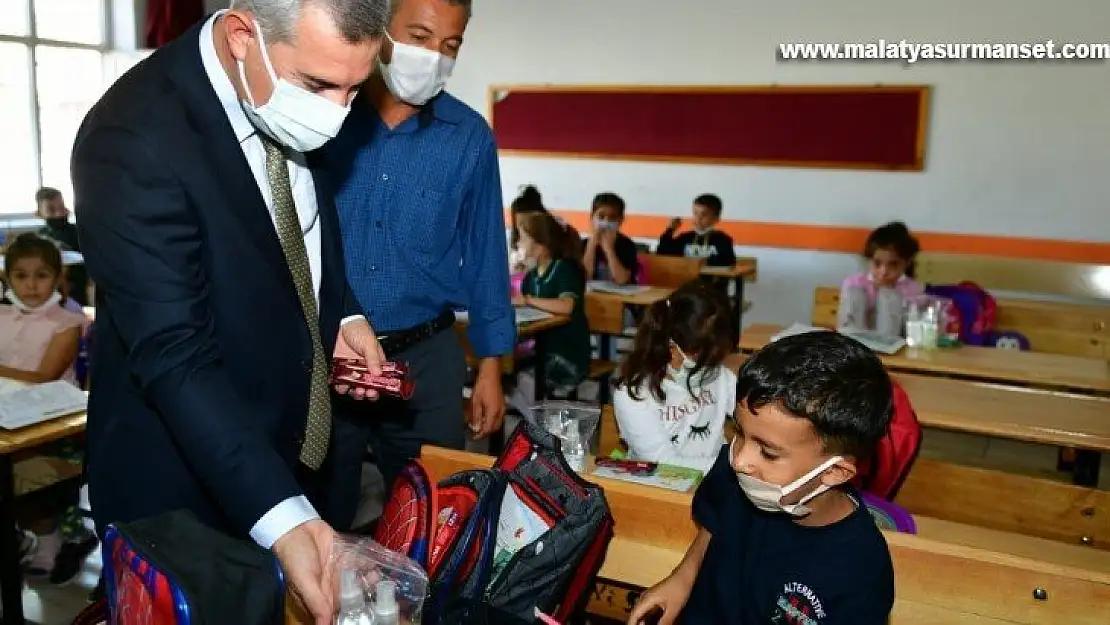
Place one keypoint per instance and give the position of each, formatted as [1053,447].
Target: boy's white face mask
[768,497]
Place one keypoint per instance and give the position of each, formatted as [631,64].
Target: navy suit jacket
[200,364]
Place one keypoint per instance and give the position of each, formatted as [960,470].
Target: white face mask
[415,75]
[768,497]
[682,372]
[53,300]
[294,117]
[601,225]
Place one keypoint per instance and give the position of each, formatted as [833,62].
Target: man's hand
[357,340]
[487,403]
[304,553]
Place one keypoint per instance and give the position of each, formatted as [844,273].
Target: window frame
[32,41]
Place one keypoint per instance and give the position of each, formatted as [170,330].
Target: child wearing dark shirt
[609,255]
[704,241]
[51,207]
[554,284]
[782,537]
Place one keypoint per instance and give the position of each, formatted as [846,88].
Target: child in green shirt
[555,283]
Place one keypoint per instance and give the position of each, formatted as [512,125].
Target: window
[54,65]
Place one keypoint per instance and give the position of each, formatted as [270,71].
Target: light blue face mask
[602,225]
[682,372]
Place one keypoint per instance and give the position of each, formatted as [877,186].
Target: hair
[611,200]
[356,20]
[46,194]
[829,379]
[561,241]
[894,236]
[529,201]
[395,6]
[712,202]
[697,318]
[31,245]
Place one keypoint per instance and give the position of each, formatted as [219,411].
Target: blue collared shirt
[422,220]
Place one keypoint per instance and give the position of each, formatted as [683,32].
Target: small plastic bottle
[385,603]
[353,609]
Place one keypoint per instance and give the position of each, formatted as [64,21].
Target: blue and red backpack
[973,312]
[451,529]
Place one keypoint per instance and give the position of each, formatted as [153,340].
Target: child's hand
[662,603]
[675,223]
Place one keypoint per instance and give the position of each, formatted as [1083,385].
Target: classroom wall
[1015,148]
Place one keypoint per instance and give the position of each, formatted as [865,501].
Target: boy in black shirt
[51,207]
[782,537]
[704,241]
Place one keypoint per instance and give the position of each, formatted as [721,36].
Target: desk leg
[738,302]
[538,369]
[11,574]
[1086,468]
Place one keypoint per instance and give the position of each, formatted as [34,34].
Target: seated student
[873,299]
[51,207]
[38,343]
[782,537]
[609,254]
[704,241]
[555,284]
[674,392]
[530,201]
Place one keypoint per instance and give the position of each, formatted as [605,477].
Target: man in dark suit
[221,295]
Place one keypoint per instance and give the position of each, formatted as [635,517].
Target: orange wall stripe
[847,239]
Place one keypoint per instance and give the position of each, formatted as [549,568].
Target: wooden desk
[645,297]
[12,442]
[745,267]
[981,363]
[1021,414]
[523,331]
[981,576]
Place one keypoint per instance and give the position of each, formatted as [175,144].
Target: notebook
[35,403]
[602,286]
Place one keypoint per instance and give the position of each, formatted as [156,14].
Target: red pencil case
[394,379]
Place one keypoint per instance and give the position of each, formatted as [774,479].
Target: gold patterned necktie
[318,428]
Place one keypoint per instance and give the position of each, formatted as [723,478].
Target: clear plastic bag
[573,423]
[376,586]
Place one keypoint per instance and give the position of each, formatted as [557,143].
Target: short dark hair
[827,378]
[31,245]
[612,200]
[894,236]
[395,5]
[712,202]
[46,194]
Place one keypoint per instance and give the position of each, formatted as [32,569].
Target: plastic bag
[376,586]
[573,423]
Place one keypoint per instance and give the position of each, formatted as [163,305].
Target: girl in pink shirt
[873,299]
[38,337]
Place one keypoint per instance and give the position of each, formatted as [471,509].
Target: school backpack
[172,569]
[972,313]
[883,473]
[527,534]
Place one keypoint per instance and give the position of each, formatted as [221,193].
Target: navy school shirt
[762,568]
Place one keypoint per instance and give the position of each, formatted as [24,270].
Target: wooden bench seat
[978,577]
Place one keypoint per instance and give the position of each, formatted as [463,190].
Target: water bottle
[385,603]
[353,609]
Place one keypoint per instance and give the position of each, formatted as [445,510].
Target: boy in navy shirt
[782,537]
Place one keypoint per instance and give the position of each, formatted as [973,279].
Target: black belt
[398,341]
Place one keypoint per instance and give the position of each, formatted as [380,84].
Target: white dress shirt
[296,510]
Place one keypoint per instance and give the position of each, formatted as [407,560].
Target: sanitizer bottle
[385,603]
[353,608]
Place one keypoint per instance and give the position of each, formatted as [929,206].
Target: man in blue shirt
[419,196]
